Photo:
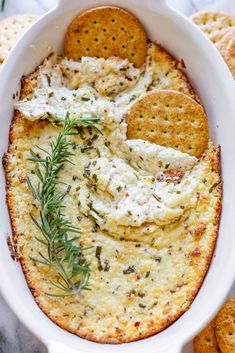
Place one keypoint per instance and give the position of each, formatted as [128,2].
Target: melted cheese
[147,274]
[121,186]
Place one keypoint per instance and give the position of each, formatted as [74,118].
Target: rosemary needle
[64,253]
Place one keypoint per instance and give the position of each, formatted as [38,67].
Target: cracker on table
[105,32]
[205,341]
[225,327]
[11,28]
[171,119]
[229,56]
[215,24]
[224,42]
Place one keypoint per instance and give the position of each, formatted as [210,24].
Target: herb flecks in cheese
[123,183]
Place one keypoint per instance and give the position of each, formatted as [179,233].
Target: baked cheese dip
[146,214]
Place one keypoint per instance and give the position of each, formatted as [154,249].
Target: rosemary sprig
[89,122]
[63,252]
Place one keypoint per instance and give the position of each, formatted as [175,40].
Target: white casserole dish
[213,82]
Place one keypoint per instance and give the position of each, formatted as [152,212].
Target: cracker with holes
[105,32]
[206,341]
[170,119]
[215,24]
[225,327]
[227,49]
[229,56]
[223,44]
[11,29]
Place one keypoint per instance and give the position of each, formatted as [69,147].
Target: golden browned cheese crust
[169,73]
[121,307]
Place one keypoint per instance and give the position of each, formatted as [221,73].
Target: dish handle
[153,3]
[58,347]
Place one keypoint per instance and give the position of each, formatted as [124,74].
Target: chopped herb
[94,176]
[158,198]
[63,98]
[85,148]
[95,228]
[90,204]
[130,269]
[85,99]
[119,188]
[91,140]
[213,186]
[132,98]
[107,266]
[90,130]
[51,94]
[87,171]
[48,80]
[97,255]
[167,165]
[142,306]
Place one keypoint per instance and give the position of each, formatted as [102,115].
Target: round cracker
[229,56]
[11,28]
[104,32]
[214,23]
[171,119]
[206,341]
[225,327]
[224,42]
